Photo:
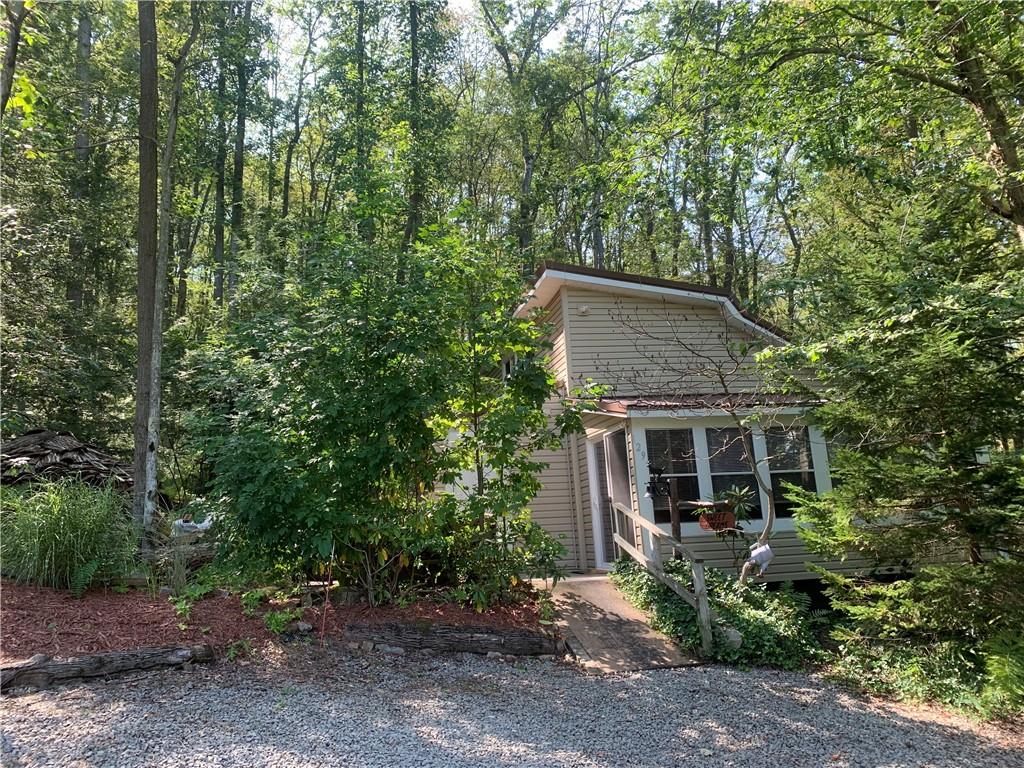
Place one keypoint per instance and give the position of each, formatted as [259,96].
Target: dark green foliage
[65,534]
[776,626]
[951,633]
[331,419]
[485,562]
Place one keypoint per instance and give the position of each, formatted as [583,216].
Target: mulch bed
[40,620]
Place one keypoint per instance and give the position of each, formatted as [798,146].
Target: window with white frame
[789,461]
[704,461]
[728,451]
[672,452]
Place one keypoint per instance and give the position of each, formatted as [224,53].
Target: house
[677,363]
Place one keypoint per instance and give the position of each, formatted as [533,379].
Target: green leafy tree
[335,415]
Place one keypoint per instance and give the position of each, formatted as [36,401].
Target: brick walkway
[607,633]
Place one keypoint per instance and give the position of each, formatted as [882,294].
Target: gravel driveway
[315,709]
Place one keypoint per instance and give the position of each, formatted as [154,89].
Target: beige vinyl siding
[553,507]
[643,346]
[790,563]
[553,317]
[595,425]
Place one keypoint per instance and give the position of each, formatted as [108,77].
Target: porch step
[607,633]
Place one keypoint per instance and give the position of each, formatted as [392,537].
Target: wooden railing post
[655,554]
[700,591]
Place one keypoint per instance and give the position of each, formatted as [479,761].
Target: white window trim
[640,425]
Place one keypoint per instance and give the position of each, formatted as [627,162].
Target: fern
[1003,690]
[82,577]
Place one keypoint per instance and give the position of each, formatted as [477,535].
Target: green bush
[484,563]
[277,621]
[331,426]
[65,534]
[776,626]
[951,633]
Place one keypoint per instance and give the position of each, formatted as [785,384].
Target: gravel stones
[309,707]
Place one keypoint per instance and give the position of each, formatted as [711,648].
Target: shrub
[776,626]
[950,633]
[277,621]
[484,563]
[65,534]
[331,426]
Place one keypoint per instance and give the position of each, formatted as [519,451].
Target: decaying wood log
[44,454]
[41,671]
[452,637]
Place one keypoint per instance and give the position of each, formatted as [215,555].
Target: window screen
[728,451]
[672,451]
[789,460]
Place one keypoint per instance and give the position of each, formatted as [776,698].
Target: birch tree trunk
[220,160]
[146,409]
[415,213]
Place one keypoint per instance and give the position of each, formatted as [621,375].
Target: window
[728,452]
[792,455]
[789,461]
[672,451]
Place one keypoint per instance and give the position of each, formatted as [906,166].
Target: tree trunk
[293,139]
[79,185]
[729,246]
[16,12]
[144,502]
[705,236]
[366,225]
[167,182]
[185,260]
[794,262]
[414,218]
[652,245]
[597,228]
[219,162]
[1005,155]
[524,225]
[238,167]
[83,75]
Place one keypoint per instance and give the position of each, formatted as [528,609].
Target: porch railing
[626,524]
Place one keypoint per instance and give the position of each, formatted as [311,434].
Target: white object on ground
[182,527]
[761,557]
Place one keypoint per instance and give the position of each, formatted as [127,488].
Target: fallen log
[454,638]
[41,671]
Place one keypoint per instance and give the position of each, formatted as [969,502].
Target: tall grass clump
[65,534]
